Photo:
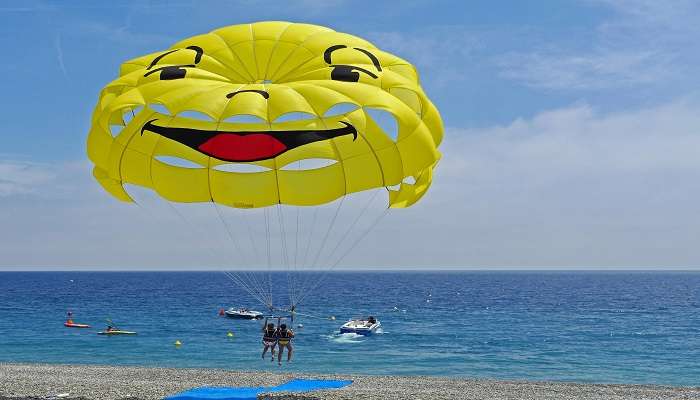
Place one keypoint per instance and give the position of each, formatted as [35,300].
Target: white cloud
[22,177]
[443,50]
[645,43]
[123,34]
[600,70]
[568,187]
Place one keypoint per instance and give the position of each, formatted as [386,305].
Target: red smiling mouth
[246,146]
[234,147]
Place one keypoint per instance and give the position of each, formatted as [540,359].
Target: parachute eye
[347,73]
[350,73]
[171,72]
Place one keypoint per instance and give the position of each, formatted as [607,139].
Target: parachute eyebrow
[371,56]
[327,55]
[199,51]
[155,60]
[197,58]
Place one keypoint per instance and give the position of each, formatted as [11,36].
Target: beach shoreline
[98,382]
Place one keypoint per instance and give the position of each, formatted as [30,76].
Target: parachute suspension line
[245,287]
[192,228]
[351,248]
[250,236]
[330,227]
[310,315]
[238,278]
[269,255]
[350,228]
[313,265]
[308,244]
[256,255]
[296,253]
[285,254]
[348,231]
[295,274]
[242,284]
[296,239]
[311,231]
[242,275]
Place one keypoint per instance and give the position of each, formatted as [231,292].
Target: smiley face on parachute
[248,112]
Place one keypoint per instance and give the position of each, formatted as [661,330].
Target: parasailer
[284,341]
[269,340]
[253,118]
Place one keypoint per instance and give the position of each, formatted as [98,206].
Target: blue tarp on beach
[251,393]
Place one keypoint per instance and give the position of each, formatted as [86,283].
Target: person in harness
[269,339]
[284,340]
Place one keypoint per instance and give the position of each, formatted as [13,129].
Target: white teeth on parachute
[309,164]
[196,115]
[245,119]
[178,162]
[295,116]
[241,168]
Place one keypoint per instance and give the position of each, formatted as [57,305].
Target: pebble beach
[43,381]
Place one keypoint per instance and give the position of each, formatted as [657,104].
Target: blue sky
[572,136]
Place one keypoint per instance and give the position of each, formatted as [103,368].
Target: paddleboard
[116,333]
[69,325]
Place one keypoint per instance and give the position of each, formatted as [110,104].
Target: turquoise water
[628,327]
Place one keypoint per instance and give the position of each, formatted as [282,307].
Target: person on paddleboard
[284,340]
[69,318]
[269,339]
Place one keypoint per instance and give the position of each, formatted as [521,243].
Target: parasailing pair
[282,130]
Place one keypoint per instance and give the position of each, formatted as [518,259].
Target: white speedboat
[361,326]
[243,313]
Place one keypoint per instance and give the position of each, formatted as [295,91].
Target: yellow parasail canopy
[237,115]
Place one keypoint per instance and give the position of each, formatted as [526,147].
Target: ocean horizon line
[355,269]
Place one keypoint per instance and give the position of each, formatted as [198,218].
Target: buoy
[230,334]
[178,343]
[221,312]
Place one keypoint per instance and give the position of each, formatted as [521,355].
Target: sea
[585,326]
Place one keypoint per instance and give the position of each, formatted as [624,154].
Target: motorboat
[361,326]
[243,313]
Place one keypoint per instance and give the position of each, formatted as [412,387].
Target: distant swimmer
[284,340]
[269,339]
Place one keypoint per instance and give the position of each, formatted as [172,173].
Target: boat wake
[345,338]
